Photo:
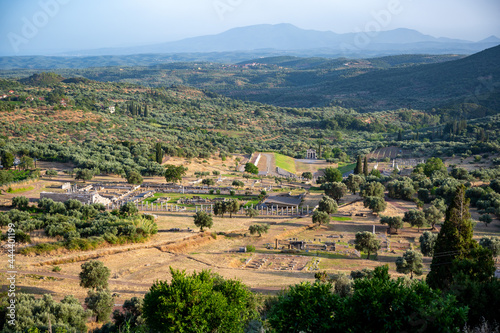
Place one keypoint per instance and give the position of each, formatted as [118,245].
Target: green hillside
[468,80]
[282,81]
[70,121]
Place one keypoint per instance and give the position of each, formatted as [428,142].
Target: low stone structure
[85,198]
[284,173]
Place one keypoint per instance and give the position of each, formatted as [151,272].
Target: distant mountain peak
[491,39]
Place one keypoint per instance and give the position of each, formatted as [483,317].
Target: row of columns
[163,206]
[274,210]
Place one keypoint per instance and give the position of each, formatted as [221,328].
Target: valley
[338,179]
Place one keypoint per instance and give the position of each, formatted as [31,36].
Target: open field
[134,267]
[285,162]
[313,166]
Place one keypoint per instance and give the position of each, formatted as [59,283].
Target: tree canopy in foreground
[201,302]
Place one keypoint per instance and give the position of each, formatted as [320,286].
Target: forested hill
[70,119]
[474,79]
[463,84]
[468,83]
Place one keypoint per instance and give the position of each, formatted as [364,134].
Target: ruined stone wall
[84,198]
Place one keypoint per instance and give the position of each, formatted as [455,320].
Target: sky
[49,27]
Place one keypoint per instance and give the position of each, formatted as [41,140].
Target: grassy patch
[19,190]
[285,162]
[346,167]
[315,189]
[341,218]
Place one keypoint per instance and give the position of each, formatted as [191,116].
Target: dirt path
[76,277]
[270,164]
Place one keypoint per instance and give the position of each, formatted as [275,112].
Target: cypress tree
[359,166]
[365,166]
[454,241]
[159,153]
[146,113]
[400,135]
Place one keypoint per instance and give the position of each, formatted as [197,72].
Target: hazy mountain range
[287,37]
[241,44]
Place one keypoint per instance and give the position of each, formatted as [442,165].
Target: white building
[311,154]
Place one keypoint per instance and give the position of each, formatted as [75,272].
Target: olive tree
[94,275]
[393,222]
[233,206]
[416,218]
[101,303]
[307,175]
[21,202]
[251,168]
[258,229]
[373,189]
[486,219]
[333,175]
[327,205]
[410,262]
[251,212]
[367,242]
[203,220]
[174,173]
[354,182]
[129,209]
[68,315]
[134,177]
[491,243]
[320,217]
[433,215]
[84,174]
[334,190]
[376,204]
